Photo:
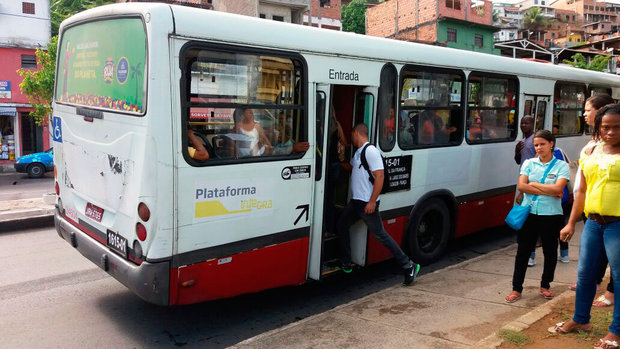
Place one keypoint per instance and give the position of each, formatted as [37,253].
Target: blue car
[36,164]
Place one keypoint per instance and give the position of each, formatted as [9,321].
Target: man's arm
[376,190]
[201,153]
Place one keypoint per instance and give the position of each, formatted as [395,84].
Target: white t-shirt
[360,185]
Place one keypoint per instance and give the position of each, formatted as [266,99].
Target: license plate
[117,243]
[93,212]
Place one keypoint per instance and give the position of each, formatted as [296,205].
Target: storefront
[8,125]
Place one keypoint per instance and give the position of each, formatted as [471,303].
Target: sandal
[606,344]
[602,302]
[513,297]
[559,328]
[546,294]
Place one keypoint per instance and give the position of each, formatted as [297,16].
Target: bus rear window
[103,71]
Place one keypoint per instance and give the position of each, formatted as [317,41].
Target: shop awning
[8,111]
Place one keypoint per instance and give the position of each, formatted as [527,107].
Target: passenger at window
[195,147]
[256,143]
[488,120]
[283,142]
[525,148]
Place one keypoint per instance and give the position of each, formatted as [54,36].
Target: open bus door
[350,105]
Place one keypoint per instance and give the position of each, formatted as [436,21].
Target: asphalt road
[16,186]
[50,296]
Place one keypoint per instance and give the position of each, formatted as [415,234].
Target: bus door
[537,106]
[347,105]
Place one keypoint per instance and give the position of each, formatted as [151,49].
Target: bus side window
[492,101]
[386,108]
[431,107]
[247,105]
[569,99]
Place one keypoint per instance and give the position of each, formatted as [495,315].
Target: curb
[40,221]
[24,219]
[247,342]
[523,322]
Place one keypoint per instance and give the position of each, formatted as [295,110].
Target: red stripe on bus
[395,227]
[84,229]
[483,213]
[252,271]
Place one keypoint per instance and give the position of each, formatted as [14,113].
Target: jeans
[595,239]
[548,227]
[601,273]
[353,212]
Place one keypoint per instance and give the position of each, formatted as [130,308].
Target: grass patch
[515,338]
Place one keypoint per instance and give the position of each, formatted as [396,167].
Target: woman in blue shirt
[545,219]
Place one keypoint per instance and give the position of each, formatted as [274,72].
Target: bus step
[329,267]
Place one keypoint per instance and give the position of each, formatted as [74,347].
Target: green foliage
[354,17]
[63,9]
[38,85]
[515,338]
[598,63]
[534,20]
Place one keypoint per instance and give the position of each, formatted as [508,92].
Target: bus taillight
[143,212]
[141,231]
[57,188]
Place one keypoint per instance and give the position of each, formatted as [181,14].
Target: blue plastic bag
[517,216]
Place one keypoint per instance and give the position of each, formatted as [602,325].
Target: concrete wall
[18,29]
[240,7]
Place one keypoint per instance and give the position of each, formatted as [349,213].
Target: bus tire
[36,170]
[429,231]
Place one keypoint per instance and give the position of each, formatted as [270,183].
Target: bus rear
[107,153]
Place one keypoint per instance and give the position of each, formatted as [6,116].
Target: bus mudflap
[150,281]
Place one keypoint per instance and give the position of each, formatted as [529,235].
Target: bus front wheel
[429,231]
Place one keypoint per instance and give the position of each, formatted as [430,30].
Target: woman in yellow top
[598,196]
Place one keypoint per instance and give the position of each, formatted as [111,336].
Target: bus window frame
[146,63]
[394,104]
[515,121]
[429,69]
[185,87]
[582,121]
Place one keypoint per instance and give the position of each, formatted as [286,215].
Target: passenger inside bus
[255,143]
[282,138]
[195,147]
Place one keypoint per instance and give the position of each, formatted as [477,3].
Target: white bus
[132,79]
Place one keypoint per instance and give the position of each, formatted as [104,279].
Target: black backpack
[371,178]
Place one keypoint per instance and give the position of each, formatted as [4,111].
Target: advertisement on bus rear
[104,71]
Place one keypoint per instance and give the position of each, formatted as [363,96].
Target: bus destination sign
[397,173]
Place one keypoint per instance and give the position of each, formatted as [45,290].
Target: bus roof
[230,28]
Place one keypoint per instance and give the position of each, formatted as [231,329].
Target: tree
[534,21]
[354,17]
[38,85]
[598,63]
[63,9]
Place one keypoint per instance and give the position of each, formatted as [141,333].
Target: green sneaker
[411,273]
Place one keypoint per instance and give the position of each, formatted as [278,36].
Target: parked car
[36,164]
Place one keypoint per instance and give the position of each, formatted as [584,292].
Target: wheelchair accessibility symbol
[56,129]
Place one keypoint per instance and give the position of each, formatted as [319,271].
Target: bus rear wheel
[429,231]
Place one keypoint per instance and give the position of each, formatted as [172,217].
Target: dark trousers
[355,211]
[548,228]
[601,273]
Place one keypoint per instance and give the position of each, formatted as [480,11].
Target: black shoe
[411,273]
[346,267]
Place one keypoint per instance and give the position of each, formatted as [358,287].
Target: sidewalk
[461,306]
[15,213]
